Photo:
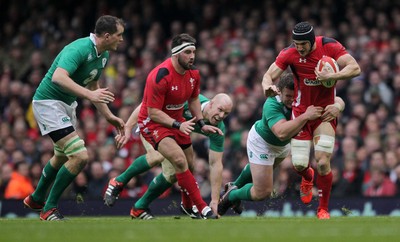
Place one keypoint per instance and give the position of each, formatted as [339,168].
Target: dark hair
[286,81]
[304,31]
[107,24]
[182,38]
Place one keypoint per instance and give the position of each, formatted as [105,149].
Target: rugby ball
[330,65]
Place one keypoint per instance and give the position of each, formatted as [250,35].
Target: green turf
[119,229]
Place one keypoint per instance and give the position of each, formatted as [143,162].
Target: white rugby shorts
[53,115]
[261,153]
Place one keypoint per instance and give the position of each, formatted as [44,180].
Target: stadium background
[237,41]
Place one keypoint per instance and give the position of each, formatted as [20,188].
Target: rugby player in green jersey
[74,73]
[268,144]
[214,112]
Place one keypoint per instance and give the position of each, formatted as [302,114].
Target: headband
[178,49]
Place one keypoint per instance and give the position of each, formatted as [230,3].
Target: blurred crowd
[237,41]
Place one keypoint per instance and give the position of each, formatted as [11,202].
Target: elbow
[56,78]
[357,70]
[282,137]
[152,114]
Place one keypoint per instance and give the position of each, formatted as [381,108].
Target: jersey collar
[93,39]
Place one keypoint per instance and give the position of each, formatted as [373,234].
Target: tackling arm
[285,129]
[215,161]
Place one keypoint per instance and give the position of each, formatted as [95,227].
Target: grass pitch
[177,229]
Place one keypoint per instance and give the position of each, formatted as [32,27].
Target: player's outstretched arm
[285,130]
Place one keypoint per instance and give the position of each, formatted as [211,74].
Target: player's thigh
[153,157]
[171,151]
[262,176]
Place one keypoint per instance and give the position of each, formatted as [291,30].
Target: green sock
[241,194]
[47,177]
[157,186]
[244,177]
[138,166]
[63,179]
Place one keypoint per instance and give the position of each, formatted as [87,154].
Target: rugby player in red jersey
[312,87]
[161,121]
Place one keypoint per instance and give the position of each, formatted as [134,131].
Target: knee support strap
[58,151]
[74,145]
[324,143]
[300,152]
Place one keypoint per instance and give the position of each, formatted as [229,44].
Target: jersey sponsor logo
[191,83]
[309,82]
[174,106]
[174,88]
[90,57]
[302,60]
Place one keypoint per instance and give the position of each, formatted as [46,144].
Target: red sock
[324,185]
[188,184]
[306,174]
[186,201]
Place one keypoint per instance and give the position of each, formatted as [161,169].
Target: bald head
[219,108]
[224,99]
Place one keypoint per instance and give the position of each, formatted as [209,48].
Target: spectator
[20,185]
[6,172]
[380,185]
[97,181]
[339,184]
[353,174]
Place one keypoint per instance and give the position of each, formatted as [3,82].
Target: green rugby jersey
[273,111]
[216,140]
[80,60]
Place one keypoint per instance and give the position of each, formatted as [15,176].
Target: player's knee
[180,163]
[74,148]
[324,143]
[261,194]
[324,167]
[154,158]
[300,153]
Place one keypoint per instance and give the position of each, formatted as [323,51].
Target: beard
[186,66]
